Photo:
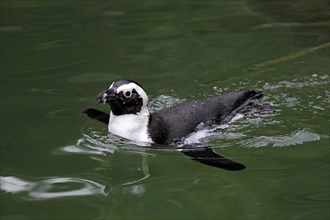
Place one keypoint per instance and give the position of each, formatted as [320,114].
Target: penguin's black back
[182,119]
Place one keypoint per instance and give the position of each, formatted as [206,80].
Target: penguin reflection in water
[130,118]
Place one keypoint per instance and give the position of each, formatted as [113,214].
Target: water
[57,55]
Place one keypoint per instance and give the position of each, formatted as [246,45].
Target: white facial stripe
[111,85]
[128,87]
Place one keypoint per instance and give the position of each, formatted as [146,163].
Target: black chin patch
[126,105]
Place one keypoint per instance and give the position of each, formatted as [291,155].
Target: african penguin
[130,118]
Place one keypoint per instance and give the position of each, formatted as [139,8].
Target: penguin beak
[106,96]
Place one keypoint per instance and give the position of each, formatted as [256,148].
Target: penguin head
[124,97]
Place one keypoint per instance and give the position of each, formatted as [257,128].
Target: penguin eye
[127,94]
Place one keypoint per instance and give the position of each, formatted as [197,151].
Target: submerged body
[130,118]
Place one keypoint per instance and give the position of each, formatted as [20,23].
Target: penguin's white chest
[131,126]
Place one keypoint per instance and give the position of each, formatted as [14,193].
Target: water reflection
[89,145]
[128,166]
[13,184]
[137,190]
[51,188]
[128,163]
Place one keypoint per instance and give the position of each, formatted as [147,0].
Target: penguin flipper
[97,115]
[206,155]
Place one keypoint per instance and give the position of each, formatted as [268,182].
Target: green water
[57,55]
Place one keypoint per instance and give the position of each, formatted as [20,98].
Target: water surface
[57,55]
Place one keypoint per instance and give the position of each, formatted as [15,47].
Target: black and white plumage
[130,118]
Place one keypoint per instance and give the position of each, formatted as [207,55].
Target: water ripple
[97,143]
[62,113]
[95,77]
[92,143]
[51,188]
[289,171]
[308,197]
[312,81]
[297,137]
[49,72]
